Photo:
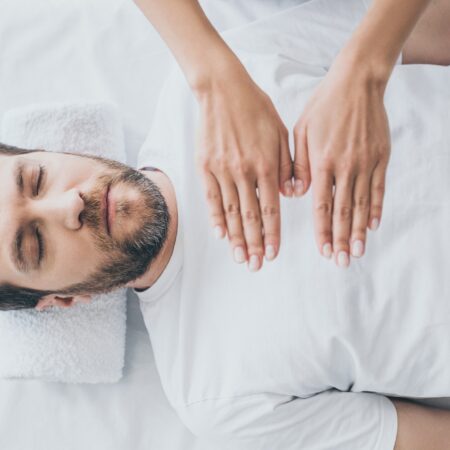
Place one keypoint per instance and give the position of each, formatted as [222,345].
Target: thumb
[285,166]
[302,173]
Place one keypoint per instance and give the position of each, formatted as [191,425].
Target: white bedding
[96,50]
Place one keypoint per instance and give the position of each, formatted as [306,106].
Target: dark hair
[15,297]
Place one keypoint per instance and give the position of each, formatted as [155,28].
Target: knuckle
[255,248]
[375,210]
[358,233]
[212,195]
[362,202]
[216,216]
[383,148]
[220,164]
[232,210]
[236,238]
[365,163]
[203,163]
[343,212]
[324,208]
[265,169]
[240,167]
[324,236]
[341,242]
[250,216]
[269,211]
[347,169]
[325,166]
[378,188]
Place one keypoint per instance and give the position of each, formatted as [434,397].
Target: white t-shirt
[297,355]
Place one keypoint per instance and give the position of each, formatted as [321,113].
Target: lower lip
[111,209]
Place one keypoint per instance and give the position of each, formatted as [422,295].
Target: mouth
[106,211]
[111,209]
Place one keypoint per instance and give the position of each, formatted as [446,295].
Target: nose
[64,208]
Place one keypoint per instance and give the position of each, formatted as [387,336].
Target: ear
[62,301]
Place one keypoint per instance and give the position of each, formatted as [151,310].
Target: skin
[243,145]
[58,208]
[69,240]
[342,139]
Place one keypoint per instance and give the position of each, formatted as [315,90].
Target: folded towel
[84,343]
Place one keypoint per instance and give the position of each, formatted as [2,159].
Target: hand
[342,139]
[244,160]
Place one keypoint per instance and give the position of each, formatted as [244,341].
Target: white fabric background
[66,50]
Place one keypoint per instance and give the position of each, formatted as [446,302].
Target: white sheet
[96,50]
[380,324]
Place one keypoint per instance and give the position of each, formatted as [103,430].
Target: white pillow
[84,343]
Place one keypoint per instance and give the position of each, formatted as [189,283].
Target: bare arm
[379,39]
[421,427]
[243,144]
[198,48]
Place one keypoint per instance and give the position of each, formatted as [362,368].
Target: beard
[127,256]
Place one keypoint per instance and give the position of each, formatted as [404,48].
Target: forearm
[379,39]
[421,427]
[197,46]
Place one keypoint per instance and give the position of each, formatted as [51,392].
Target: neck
[158,264]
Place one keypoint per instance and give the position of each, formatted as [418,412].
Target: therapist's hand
[244,160]
[342,140]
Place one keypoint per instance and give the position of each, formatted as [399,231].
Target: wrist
[218,68]
[363,66]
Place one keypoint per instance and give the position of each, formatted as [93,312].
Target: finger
[377,195]
[342,219]
[251,220]
[323,205]
[214,201]
[361,203]
[269,206]
[302,175]
[232,211]
[285,165]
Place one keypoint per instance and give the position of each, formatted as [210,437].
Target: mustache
[91,215]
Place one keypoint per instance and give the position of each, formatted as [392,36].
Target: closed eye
[41,248]
[38,183]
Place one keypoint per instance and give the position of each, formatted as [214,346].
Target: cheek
[74,260]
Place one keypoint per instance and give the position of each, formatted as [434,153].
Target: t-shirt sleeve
[331,420]
[312,33]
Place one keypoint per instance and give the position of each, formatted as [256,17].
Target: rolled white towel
[84,343]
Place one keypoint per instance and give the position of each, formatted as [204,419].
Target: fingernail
[239,255]
[298,188]
[357,248]
[288,188]
[374,224]
[254,263]
[343,259]
[218,232]
[327,251]
[270,252]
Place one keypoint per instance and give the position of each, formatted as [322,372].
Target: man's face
[54,226]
